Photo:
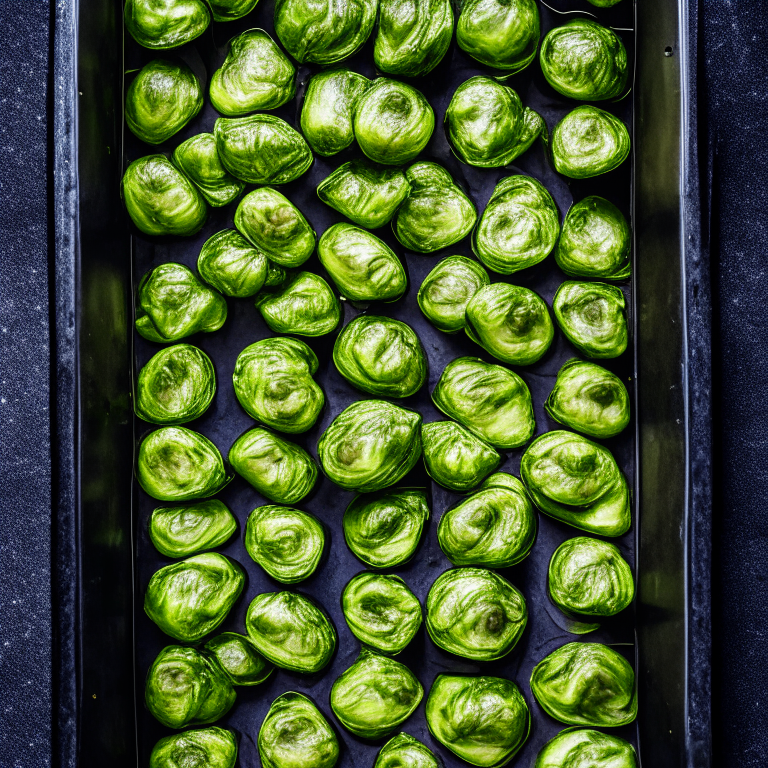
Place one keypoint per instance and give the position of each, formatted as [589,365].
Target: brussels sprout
[489,400]
[239,659]
[192,528]
[261,149]
[589,399]
[291,631]
[586,684]
[584,60]
[586,748]
[363,267]
[384,529]
[403,751]
[393,122]
[160,200]
[185,688]
[604,3]
[587,142]
[328,110]
[215,747]
[278,470]
[593,318]
[273,382]
[161,24]
[519,226]
[370,445]
[285,542]
[232,265]
[198,159]
[577,481]
[276,275]
[381,356]
[375,695]
[488,126]
[381,611]
[483,720]
[177,464]
[229,10]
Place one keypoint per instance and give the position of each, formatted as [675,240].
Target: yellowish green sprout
[403,751]
[191,528]
[232,265]
[217,747]
[229,10]
[586,748]
[239,659]
[198,159]
[162,24]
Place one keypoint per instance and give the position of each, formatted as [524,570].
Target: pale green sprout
[198,159]
[162,24]
[403,751]
[585,748]
[217,746]
[233,266]
[191,528]
[239,659]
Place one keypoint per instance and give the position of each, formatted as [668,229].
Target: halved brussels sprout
[489,400]
[519,226]
[363,267]
[216,747]
[593,318]
[280,471]
[239,659]
[587,142]
[370,445]
[483,720]
[160,199]
[393,122]
[161,24]
[189,599]
[584,60]
[510,322]
[494,528]
[586,684]
[177,464]
[185,688]
[577,481]
[273,382]
[291,631]
[192,528]
[589,399]
[403,751]
[384,529]
[287,543]
[488,126]
[375,695]
[295,734]
[232,265]
[586,748]
[229,10]
[261,149]
[381,356]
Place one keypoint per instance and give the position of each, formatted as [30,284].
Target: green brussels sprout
[161,100]
[232,265]
[403,751]
[587,142]
[604,3]
[161,24]
[593,318]
[384,529]
[276,275]
[489,400]
[586,748]
[185,688]
[393,122]
[291,631]
[367,194]
[328,110]
[239,659]
[229,10]
[375,695]
[381,356]
[586,684]
[595,241]
[273,382]
[261,149]
[177,464]
[381,611]
[198,159]
[589,399]
[285,542]
[510,322]
[577,481]
[160,199]
[519,226]
[483,720]
[488,126]
[370,445]
[494,528]
[584,60]
[363,267]
[215,747]
[192,528]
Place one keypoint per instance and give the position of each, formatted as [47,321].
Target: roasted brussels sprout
[586,684]
[363,267]
[384,529]
[239,659]
[589,399]
[586,748]
[393,122]
[577,481]
[370,445]
[483,720]
[375,695]
[198,159]
[489,400]
[215,747]
[232,265]
[161,24]
[403,751]
[291,631]
[191,528]
[593,318]
[229,10]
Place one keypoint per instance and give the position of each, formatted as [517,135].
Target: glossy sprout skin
[375,695]
[198,159]
[586,684]
[163,24]
[586,749]
[381,611]
[216,746]
[403,751]
[370,445]
[191,528]
[230,10]
[239,659]
[230,264]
